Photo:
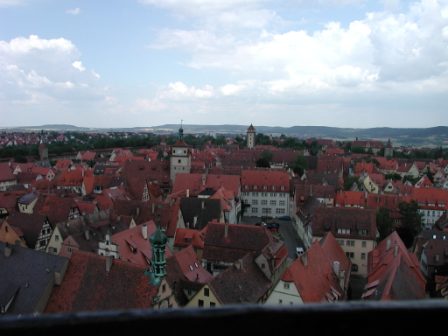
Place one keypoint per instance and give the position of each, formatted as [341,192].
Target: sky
[136,63]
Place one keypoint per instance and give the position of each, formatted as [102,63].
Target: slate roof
[205,210]
[242,283]
[87,286]
[27,274]
[29,224]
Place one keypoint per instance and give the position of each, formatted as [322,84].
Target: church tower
[180,161]
[389,150]
[157,270]
[251,137]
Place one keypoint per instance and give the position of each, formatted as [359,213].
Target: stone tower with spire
[389,150]
[180,161]
[251,137]
[157,270]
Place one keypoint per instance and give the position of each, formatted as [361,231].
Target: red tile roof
[87,286]
[133,247]
[313,276]
[359,223]
[277,181]
[394,272]
[350,199]
[190,237]
[6,173]
[190,267]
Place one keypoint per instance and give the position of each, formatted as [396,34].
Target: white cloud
[78,66]
[73,11]
[43,73]
[9,3]
[232,89]
[179,90]
[95,74]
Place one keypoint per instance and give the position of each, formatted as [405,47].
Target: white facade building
[266,192]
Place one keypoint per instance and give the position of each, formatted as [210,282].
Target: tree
[411,224]
[348,182]
[265,159]
[384,223]
[299,165]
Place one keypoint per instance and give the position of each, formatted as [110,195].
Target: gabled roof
[6,173]
[360,223]
[30,225]
[190,237]
[87,286]
[273,180]
[394,272]
[27,275]
[313,276]
[241,239]
[242,283]
[133,247]
[350,198]
[204,210]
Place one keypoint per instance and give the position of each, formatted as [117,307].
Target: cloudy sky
[349,63]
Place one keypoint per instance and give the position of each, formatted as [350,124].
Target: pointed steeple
[157,270]
[181,132]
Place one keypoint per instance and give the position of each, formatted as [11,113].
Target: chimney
[153,207]
[204,179]
[87,234]
[202,204]
[188,193]
[395,250]
[108,263]
[388,245]
[145,231]
[195,220]
[336,267]
[304,259]
[57,278]
[137,212]
[226,230]
[8,250]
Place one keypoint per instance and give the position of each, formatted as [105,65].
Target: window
[163,288]
[254,202]
[281,203]
[364,243]
[212,304]
[179,161]
[286,285]
[280,211]
[280,301]
[264,202]
[206,291]
[341,242]
[254,210]
[363,256]
[201,303]
[273,202]
[273,194]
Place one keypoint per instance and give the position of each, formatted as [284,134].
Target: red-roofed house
[133,244]
[350,199]
[95,283]
[320,275]
[432,204]
[355,230]
[394,272]
[86,156]
[7,178]
[190,237]
[266,192]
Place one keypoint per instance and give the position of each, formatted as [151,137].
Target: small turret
[157,270]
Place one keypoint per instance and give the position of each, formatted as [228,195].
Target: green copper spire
[157,270]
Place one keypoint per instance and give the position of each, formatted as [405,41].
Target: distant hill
[434,136]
